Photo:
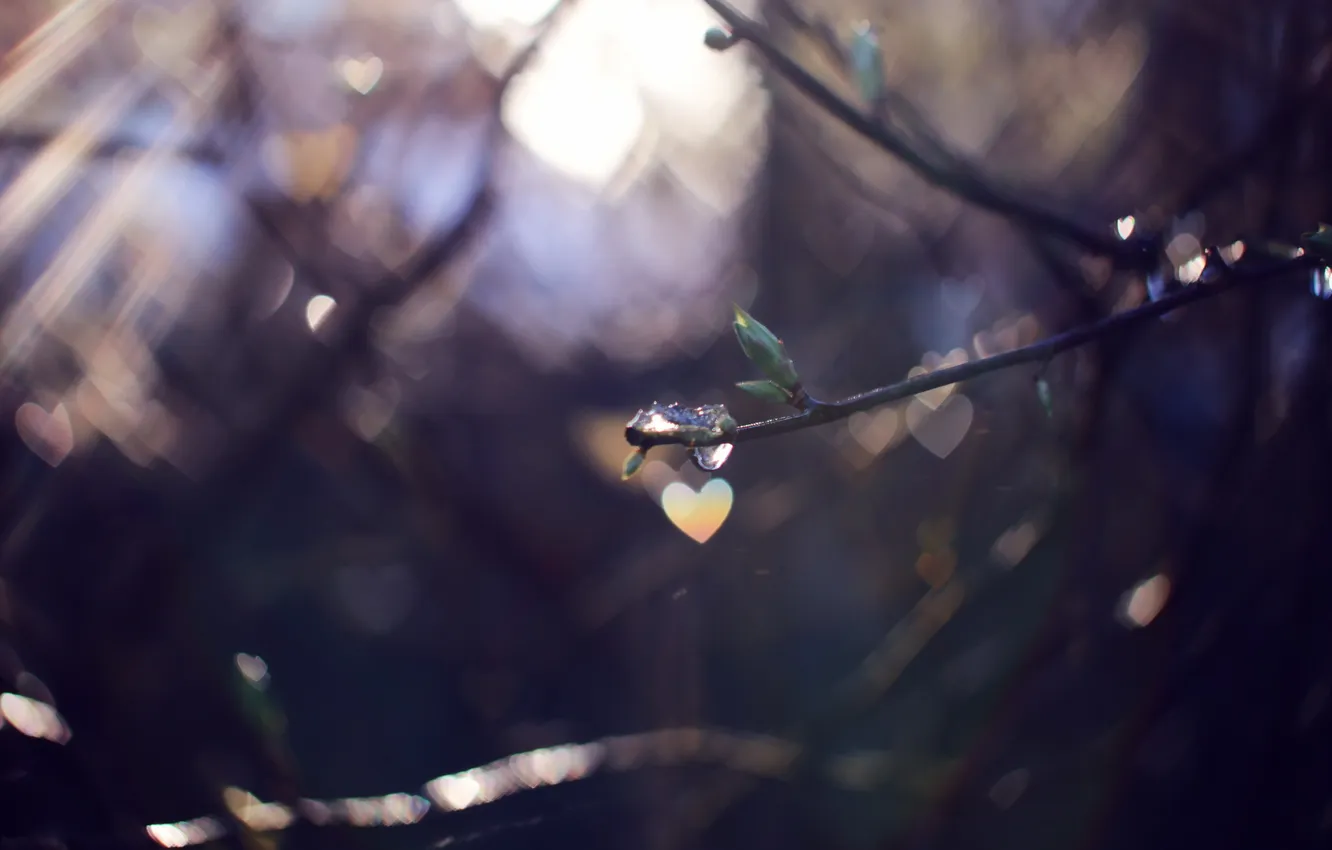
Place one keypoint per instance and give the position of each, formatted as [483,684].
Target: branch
[201,151]
[1219,279]
[351,335]
[1132,254]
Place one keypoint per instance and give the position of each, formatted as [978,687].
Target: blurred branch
[890,103]
[350,334]
[203,152]
[1136,253]
[1218,279]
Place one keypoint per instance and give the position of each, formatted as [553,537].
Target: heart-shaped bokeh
[49,434]
[309,165]
[933,362]
[173,40]
[363,74]
[698,513]
[940,430]
[874,431]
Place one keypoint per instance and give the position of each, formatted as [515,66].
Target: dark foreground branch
[1219,279]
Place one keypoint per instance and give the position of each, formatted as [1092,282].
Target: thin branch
[200,151]
[1126,254]
[891,102]
[822,413]
[351,333]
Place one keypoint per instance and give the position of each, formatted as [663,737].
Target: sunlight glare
[573,112]
[490,14]
[695,89]
[37,61]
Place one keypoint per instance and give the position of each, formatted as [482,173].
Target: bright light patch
[488,14]
[34,719]
[694,89]
[1144,602]
[317,311]
[579,118]
[253,668]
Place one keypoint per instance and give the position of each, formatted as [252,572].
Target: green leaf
[765,350]
[632,464]
[867,62]
[1046,397]
[766,390]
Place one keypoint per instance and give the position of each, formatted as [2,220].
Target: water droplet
[711,458]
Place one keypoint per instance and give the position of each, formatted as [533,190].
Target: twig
[822,413]
[891,103]
[1130,254]
[202,151]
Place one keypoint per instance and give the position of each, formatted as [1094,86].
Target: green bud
[1046,397]
[719,39]
[765,350]
[867,62]
[632,464]
[766,390]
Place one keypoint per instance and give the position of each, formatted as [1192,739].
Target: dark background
[946,640]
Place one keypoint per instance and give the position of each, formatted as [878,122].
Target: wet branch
[1219,279]
[965,184]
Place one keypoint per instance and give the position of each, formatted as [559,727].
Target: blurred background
[322,321]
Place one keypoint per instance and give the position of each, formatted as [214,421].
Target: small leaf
[632,464]
[1046,397]
[765,350]
[719,39]
[867,62]
[766,390]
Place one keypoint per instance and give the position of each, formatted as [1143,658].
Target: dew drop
[711,458]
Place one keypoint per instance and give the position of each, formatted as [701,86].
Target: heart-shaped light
[932,362]
[962,296]
[454,792]
[172,40]
[874,431]
[49,435]
[940,431]
[698,513]
[363,74]
[308,165]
